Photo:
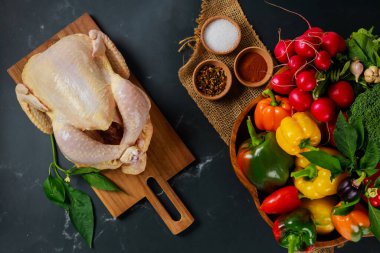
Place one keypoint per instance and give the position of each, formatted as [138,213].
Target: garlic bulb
[356,69]
[371,74]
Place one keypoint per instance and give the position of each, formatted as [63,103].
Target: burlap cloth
[221,113]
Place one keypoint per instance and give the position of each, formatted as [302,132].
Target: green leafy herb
[374,217]
[359,127]
[376,184]
[364,46]
[345,137]
[81,213]
[100,182]
[345,208]
[324,160]
[371,156]
[84,170]
[55,190]
[77,203]
[344,162]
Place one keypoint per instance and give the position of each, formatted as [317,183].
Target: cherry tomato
[306,80]
[342,94]
[300,100]
[323,109]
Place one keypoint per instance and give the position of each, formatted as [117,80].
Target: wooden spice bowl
[227,72]
[269,64]
[207,22]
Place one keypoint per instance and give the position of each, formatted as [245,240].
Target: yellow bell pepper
[314,181]
[321,210]
[298,133]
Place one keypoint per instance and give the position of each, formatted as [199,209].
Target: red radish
[300,100]
[342,94]
[283,50]
[323,60]
[305,80]
[296,62]
[282,83]
[314,32]
[306,46]
[323,109]
[333,43]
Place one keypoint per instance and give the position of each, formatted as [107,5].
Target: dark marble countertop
[147,33]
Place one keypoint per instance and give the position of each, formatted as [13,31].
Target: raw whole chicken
[71,90]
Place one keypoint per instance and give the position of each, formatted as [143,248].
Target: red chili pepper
[281,201]
[373,193]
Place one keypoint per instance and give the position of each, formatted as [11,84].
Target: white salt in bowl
[220,35]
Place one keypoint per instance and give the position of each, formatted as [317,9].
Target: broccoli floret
[367,107]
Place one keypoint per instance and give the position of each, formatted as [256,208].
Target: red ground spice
[252,67]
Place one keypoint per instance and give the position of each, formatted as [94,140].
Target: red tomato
[323,109]
[342,94]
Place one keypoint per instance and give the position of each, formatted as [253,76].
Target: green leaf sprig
[77,203]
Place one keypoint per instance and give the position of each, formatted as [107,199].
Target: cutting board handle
[174,226]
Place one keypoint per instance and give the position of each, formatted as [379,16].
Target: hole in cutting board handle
[163,198]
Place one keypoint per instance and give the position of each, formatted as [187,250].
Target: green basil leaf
[377,183]
[371,156]
[99,181]
[55,191]
[358,125]
[344,162]
[345,137]
[345,208]
[325,161]
[81,213]
[84,170]
[374,217]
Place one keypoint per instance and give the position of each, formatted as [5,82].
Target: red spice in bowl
[253,66]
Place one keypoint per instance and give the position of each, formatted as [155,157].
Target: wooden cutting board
[167,154]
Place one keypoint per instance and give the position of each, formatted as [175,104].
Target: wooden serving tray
[167,154]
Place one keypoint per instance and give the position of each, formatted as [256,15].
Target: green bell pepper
[263,161]
[295,231]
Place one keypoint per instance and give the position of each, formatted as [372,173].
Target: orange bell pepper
[353,225]
[270,111]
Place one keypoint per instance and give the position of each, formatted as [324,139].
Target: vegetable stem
[54,154]
[292,241]
[52,141]
[269,93]
[310,171]
[255,140]
[357,182]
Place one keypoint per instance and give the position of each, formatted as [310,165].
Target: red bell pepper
[281,201]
